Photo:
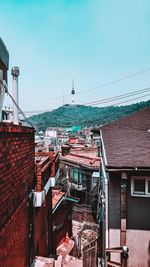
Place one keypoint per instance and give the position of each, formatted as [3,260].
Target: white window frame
[136,193]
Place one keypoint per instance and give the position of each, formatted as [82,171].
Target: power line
[116,81]
[131,100]
[112,99]
[22,113]
[100,86]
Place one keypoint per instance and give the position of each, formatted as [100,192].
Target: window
[78,177]
[140,186]
[75,176]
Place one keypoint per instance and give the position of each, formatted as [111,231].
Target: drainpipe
[106,211]
[67,177]
[104,163]
[106,203]
[15,74]
[105,186]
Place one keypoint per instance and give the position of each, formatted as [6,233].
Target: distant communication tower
[73,92]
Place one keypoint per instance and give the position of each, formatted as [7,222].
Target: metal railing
[90,254]
[123,256]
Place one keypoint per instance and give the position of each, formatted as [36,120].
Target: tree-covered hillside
[72,115]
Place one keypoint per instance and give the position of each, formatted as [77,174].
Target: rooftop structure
[82,160]
[127,141]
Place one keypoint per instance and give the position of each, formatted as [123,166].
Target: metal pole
[15,73]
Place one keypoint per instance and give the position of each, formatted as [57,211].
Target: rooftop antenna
[73,92]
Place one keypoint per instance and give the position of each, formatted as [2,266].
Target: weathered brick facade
[62,223]
[16,181]
[42,172]
[54,158]
[27,230]
[42,214]
[14,243]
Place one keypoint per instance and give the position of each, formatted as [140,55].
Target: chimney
[65,149]
[15,74]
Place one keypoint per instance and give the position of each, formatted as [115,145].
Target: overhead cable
[19,109]
[100,86]
[112,99]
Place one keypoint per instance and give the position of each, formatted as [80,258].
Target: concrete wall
[139,248]
[138,223]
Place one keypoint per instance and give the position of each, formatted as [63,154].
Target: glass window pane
[139,186]
[83,179]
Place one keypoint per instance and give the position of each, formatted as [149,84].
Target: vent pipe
[15,73]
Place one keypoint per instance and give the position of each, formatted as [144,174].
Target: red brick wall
[16,167]
[16,181]
[54,157]
[14,239]
[62,216]
[42,218]
[42,173]
[42,228]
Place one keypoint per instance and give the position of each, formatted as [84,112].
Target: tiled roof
[82,160]
[91,152]
[127,140]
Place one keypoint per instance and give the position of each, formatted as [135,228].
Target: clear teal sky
[92,41]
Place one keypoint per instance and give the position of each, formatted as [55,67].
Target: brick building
[16,182]
[53,210]
[42,205]
[61,217]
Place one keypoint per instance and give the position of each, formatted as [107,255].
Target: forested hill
[73,115]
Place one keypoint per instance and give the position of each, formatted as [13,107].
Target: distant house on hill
[125,177]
